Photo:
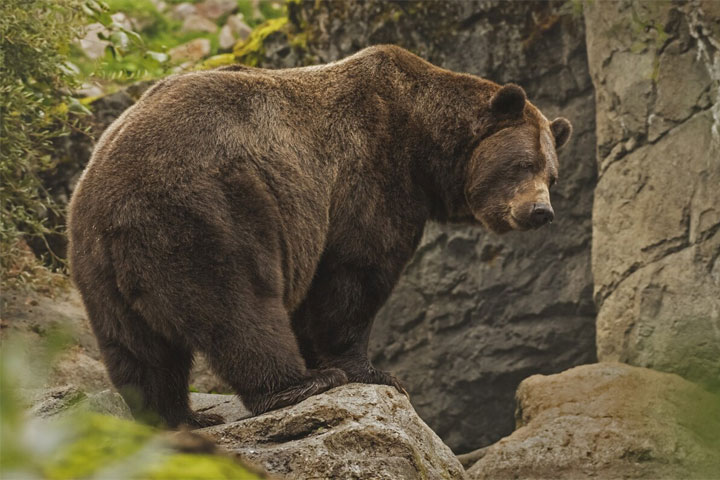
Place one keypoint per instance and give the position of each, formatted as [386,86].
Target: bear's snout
[531,215]
[541,214]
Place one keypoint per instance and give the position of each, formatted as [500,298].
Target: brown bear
[263,217]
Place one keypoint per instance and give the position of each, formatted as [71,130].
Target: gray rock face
[608,421]
[656,218]
[355,431]
[475,313]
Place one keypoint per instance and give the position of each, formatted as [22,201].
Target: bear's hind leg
[154,382]
[149,371]
[257,354]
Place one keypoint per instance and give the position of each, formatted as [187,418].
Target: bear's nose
[542,213]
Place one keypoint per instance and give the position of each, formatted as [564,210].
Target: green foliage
[129,56]
[158,33]
[35,77]
[84,444]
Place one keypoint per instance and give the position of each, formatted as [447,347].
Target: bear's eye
[553,181]
[526,165]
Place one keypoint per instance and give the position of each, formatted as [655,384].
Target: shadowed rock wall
[656,221]
[476,313]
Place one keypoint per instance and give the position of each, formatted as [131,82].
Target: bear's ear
[561,130]
[509,100]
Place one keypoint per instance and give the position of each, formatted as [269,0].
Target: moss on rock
[252,50]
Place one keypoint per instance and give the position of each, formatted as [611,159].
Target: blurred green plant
[35,82]
[156,34]
[81,444]
[130,55]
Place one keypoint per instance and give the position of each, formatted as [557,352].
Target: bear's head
[511,171]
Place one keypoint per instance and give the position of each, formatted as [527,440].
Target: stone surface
[475,313]
[92,45]
[656,217]
[63,399]
[198,23]
[214,9]
[608,421]
[78,368]
[228,406]
[183,10]
[239,28]
[226,39]
[68,399]
[193,50]
[355,431]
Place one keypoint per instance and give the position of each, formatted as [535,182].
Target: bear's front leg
[334,321]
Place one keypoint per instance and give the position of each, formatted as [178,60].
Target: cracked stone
[655,240]
[608,420]
[355,431]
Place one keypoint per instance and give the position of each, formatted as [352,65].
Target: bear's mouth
[517,223]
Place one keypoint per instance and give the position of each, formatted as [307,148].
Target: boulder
[238,27]
[656,217]
[92,45]
[76,367]
[198,23]
[183,10]
[214,9]
[355,431]
[193,50]
[475,313]
[61,401]
[64,399]
[607,421]
[226,39]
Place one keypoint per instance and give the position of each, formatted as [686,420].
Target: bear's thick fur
[263,217]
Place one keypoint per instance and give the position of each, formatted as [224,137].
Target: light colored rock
[228,406]
[226,39]
[181,11]
[238,27]
[355,431]
[214,9]
[608,421]
[92,45]
[77,368]
[160,5]
[68,399]
[656,215]
[198,23]
[193,50]
[89,90]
